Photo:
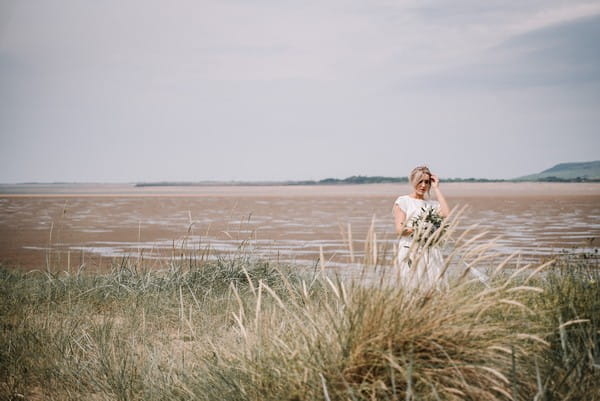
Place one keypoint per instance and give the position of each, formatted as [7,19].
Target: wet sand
[93,224]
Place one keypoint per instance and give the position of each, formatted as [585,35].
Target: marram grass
[246,329]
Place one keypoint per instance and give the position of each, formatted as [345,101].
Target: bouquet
[428,227]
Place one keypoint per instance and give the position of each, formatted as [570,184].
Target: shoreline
[458,189]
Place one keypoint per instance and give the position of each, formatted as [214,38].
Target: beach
[96,223]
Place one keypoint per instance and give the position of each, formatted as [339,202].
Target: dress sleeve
[401,202]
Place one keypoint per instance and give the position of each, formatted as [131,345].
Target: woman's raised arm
[435,185]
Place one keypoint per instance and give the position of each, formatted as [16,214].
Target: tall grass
[570,314]
[242,328]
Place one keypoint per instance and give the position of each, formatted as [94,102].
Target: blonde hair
[418,174]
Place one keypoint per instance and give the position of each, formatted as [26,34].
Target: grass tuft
[241,328]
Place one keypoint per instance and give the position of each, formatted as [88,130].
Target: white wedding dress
[419,267]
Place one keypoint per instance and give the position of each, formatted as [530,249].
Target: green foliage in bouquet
[429,227]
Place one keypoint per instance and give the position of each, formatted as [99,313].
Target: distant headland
[567,172]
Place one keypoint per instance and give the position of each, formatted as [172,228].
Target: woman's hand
[435,181]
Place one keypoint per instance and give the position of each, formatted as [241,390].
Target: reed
[242,328]
[570,314]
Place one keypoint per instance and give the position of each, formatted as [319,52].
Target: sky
[270,90]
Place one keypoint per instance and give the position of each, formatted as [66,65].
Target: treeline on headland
[353,180]
[564,172]
[357,179]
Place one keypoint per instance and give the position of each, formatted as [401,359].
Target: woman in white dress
[419,267]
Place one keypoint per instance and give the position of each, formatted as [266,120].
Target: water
[288,223]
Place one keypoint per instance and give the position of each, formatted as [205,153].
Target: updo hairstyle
[418,174]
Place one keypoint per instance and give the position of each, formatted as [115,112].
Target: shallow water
[97,223]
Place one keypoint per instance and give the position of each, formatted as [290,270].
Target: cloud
[560,54]
[555,16]
[251,81]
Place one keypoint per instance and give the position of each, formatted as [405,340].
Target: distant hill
[586,171]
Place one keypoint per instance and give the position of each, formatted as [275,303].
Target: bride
[419,266]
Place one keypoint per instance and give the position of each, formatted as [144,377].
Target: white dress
[418,267]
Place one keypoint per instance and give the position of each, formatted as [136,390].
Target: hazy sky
[126,91]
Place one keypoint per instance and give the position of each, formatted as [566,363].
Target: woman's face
[423,185]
